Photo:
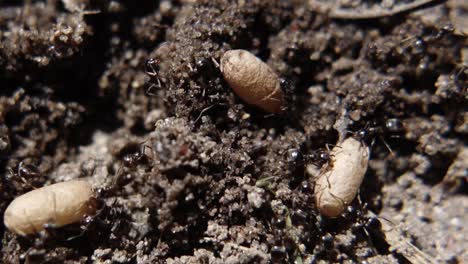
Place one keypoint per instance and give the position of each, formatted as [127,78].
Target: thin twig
[355,14]
[400,243]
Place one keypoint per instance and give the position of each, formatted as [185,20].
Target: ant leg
[150,89]
[143,150]
[83,228]
[386,145]
[364,227]
[118,177]
[268,116]
[215,62]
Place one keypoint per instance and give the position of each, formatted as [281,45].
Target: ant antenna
[386,145]
[153,87]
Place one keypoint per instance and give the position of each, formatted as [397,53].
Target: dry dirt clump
[129,95]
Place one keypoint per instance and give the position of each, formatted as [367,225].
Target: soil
[213,183]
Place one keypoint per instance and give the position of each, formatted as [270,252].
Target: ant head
[152,66]
[285,84]
[88,219]
[327,240]
[394,125]
[278,253]
[324,156]
[151,62]
[319,157]
[27,170]
[129,160]
[293,155]
[365,135]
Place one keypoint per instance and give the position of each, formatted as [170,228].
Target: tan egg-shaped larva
[338,184]
[57,204]
[252,80]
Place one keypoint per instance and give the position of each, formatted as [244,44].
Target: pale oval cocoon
[337,185]
[252,80]
[57,204]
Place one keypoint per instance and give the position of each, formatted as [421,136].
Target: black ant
[25,176]
[327,241]
[91,227]
[318,157]
[294,157]
[366,221]
[28,171]
[444,31]
[421,43]
[278,253]
[152,69]
[133,159]
[393,127]
[97,224]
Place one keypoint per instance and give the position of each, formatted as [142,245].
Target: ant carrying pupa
[392,127]
[319,157]
[62,212]
[64,203]
[338,184]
